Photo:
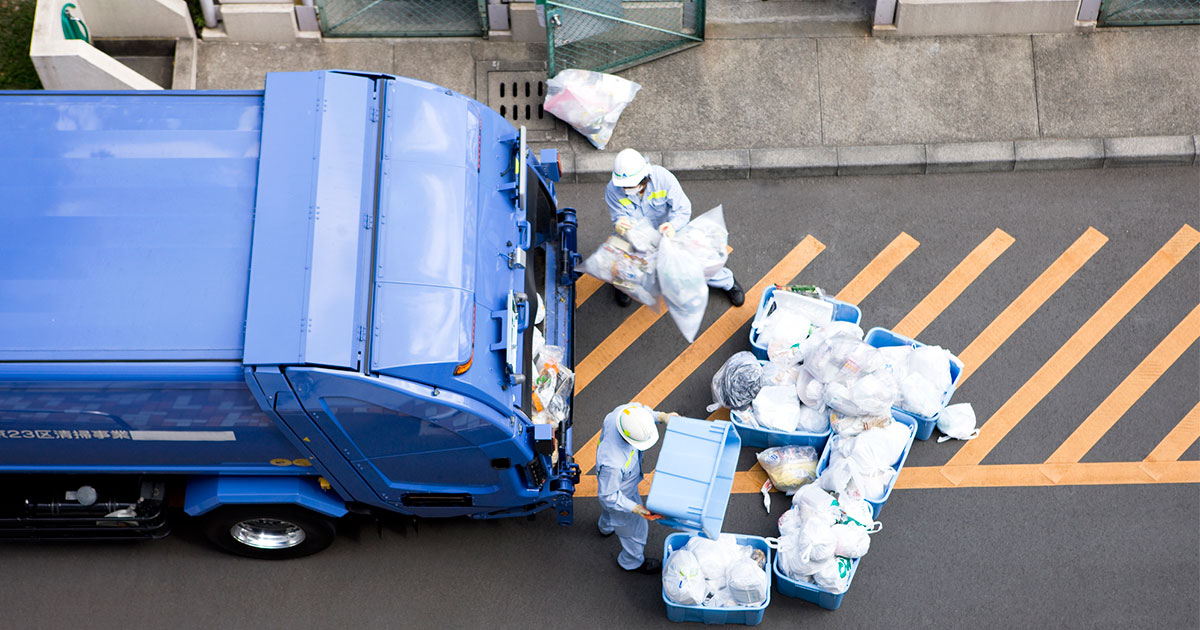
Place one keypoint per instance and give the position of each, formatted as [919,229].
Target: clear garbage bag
[789,467]
[683,582]
[871,394]
[737,382]
[790,521]
[591,102]
[706,238]
[715,556]
[817,542]
[619,264]
[747,582]
[643,235]
[684,289]
[552,387]
[815,504]
[957,422]
[810,390]
[775,373]
[813,420]
[825,333]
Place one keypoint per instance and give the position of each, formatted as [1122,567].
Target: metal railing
[609,35]
[1148,12]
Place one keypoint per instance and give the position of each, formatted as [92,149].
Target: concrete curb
[903,159]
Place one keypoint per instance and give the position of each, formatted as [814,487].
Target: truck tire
[268,532]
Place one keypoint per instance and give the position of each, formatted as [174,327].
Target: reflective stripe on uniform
[626,202]
[629,462]
[658,194]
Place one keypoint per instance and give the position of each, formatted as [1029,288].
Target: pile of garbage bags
[591,102]
[716,574]
[863,454]
[647,266]
[922,376]
[821,535]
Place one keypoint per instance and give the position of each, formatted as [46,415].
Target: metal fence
[1148,12]
[403,18]
[608,35]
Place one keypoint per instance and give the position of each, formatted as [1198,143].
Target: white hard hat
[637,426]
[629,169]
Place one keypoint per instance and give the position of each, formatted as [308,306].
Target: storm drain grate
[516,90]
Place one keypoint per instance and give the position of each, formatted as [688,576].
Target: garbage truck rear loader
[274,309]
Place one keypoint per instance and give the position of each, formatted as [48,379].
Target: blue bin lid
[694,475]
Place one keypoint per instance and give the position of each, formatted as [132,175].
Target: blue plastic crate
[750,616]
[766,438]
[811,592]
[842,312]
[694,474]
[876,506]
[884,338]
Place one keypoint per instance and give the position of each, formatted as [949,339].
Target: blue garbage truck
[273,309]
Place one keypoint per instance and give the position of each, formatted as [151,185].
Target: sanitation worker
[639,189]
[627,432]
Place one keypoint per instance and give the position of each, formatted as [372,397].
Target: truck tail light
[462,368]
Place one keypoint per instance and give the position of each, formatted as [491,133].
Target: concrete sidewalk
[785,106]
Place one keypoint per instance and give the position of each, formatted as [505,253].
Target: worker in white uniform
[639,189]
[627,432]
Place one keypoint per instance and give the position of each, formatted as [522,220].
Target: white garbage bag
[813,420]
[790,467]
[737,382]
[857,512]
[897,360]
[849,426]
[706,238]
[684,289]
[919,396]
[747,582]
[816,541]
[782,335]
[793,562]
[815,505]
[875,449]
[827,358]
[834,576]
[715,556]
[619,264]
[933,363]
[852,541]
[957,422]
[776,407]
[790,521]
[683,582]
[721,598]
[809,389]
[871,394]
[591,102]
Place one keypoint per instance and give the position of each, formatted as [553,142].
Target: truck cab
[290,305]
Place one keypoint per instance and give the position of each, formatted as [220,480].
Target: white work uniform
[663,201]
[618,472]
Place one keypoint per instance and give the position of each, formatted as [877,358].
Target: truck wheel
[268,532]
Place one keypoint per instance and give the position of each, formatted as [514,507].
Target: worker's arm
[608,490]
[663,417]
[681,206]
[616,210]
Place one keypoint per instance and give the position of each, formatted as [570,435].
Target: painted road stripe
[613,345]
[954,283]
[1079,345]
[1179,439]
[585,286]
[878,269]
[1030,300]
[996,476]
[1118,402]
[182,436]
[712,338]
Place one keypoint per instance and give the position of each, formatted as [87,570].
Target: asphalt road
[1066,556]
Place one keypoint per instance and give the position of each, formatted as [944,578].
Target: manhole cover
[517,95]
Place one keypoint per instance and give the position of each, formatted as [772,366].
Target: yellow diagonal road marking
[712,338]
[1118,402]
[1076,474]
[1030,300]
[585,286]
[954,283]
[1072,352]
[1179,439]
[613,345]
[879,268]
